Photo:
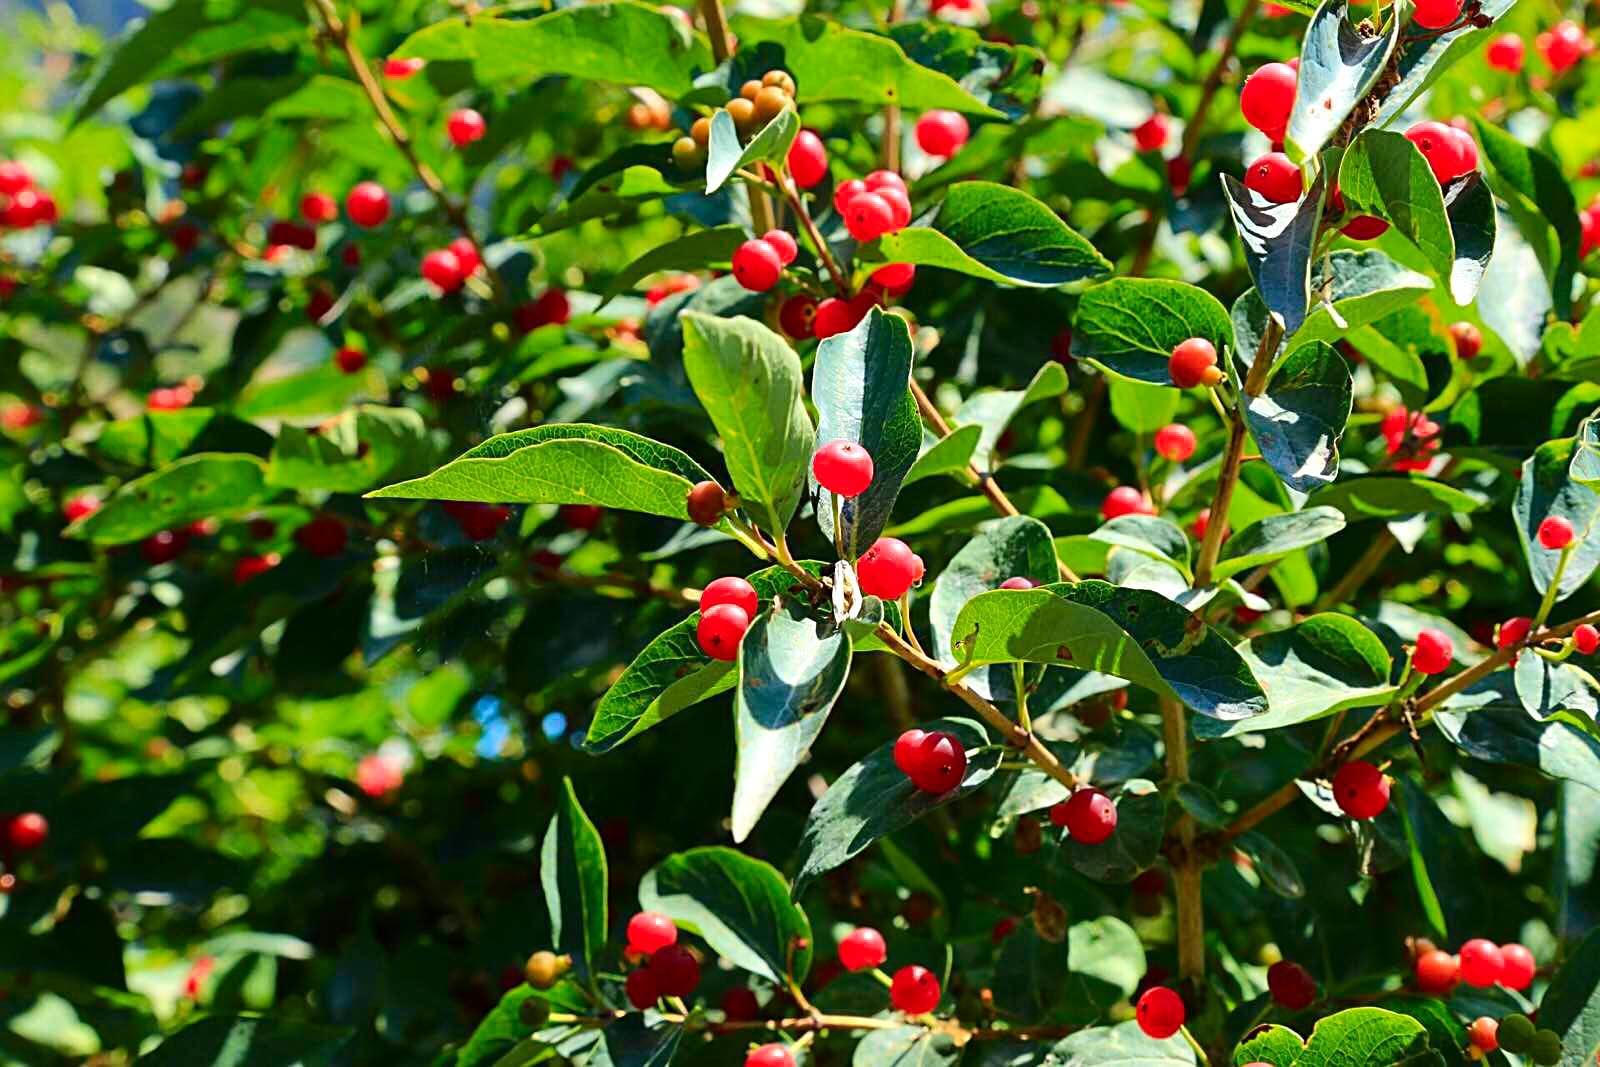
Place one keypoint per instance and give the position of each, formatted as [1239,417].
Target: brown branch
[1213,82]
[1359,571]
[1191,913]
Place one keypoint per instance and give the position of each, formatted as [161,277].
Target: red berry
[1088,815]
[843,468]
[14,177]
[675,970]
[1275,177]
[27,831]
[1507,52]
[1361,790]
[906,748]
[862,949]
[1590,221]
[478,521]
[1563,45]
[171,398]
[651,931]
[895,278]
[939,764]
[1518,966]
[807,160]
[1267,99]
[773,1055]
[1061,346]
[1441,147]
[1124,500]
[466,254]
[1151,134]
[367,205]
[1555,532]
[1019,583]
[1291,985]
[1175,442]
[1365,228]
[739,1004]
[1436,14]
[1484,1033]
[641,989]
[783,243]
[845,192]
[551,309]
[1160,1012]
[879,180]
[868,216]
[318,207]
[757,266]
[942,133]
[80,507]
[1481,963]
[1512,632]
[443,269]
[797,315]
[1194,362]
[1180,172]
[350,359]
[836,316]
[1433,652]
[720,630]
[1468,339]
[888,569]
[1437,972]
[1586,639]
[731,590]
[249,567]
[18,417]
[582,516]
[401,69]
[324,536]
[707,503]
[465,126]
[914,990]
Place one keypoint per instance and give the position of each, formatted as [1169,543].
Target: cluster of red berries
[448,268]
[23,205]
[1480,964]
[758,103]
[23,832]
[1088,816]
[936,762]
[670,969]
[874,205]
[1410,438]
[726,607]
[1194,362]
[914,990]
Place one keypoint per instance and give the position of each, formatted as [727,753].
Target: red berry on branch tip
[1194,362]
[843,468]
[862,949]
[1555,532]
[914,990]
[1361,790]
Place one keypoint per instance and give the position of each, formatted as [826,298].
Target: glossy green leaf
[1385,175]
[1546,488]
[792,667]
[739,905]
[993,409]
[696,251]
[1423,61]
[572,872]
[906,1046]
[249,1041]
[1352,289]
[350,453]
[1298,421]
[1367,1036]
[1131,325]
[1393,496]
[996,233]
[1338,66]
[1489,722]
[1122,1045]
[1271,1044]
[1278,240]
[1273,866]
[1148,535]
[210,485]
[859,384]
[1140,407]
[726,156]
[1571,1006]
[569,463]
[1540,199]
[1276,536]
[945,455]
[750,382]
[1474,224]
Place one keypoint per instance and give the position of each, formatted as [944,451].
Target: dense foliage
[1102,493]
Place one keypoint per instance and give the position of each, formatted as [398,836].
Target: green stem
[1553,590]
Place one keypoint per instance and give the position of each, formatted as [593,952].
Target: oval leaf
[1131,325]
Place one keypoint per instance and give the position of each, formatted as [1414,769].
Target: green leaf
[350,453]
[1571,1006]
[945,455]
[1271,1044]
[1546,488]
[1540,200]
[572,871]
[563,463]
[1439,855]
[831,61]
[996,233]
[1133,846]
[1130,633]
[725,155]
[993,409]
[1298,421]
[1123,1045]
[1131,325]
[1276,536]
[186,34]
[859,386]
[1273,866]
[792,667]
[1353,289]
[671,674]
[619,42]
[1473,224]
[750,383]
[1278,240]
[1367,1036]
[696,251]
[740,906]
[1107,958]
[1015,547]
[209,485]
[1422,61]
[1393,496]
[1489,722]
[1338,66]
[1325,664]
[1001,75]
[874,798]
[906,1046]
[248,1041]
[633,175]
[1546,688]
[1384,174]
[1140,407]
[323,390]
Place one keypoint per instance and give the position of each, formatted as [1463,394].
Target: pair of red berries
[169,398]
[1480,964]
[942,133]
[935,762]
[726,607]
[1088,816]
[1125,500]
[1194,362]
[26,832]
[465,126]
[759,263]
[449,267]
[669,972]
[1555,533]
[843,468]
[888,569]
[874,205]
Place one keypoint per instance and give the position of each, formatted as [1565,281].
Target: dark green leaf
[1540,199]
[248,1041]
[1271,1044]
[349,453]
[1338,67]
[1470,207]
[1131,325]
[1272,865]
[1123,1045]
[1393,496]
[1275,537]
[1278,241]
[572,871]
[210,485]
[1367,1036]
[906,1046]
[1298,421]
[1571,1006]
[1489,722]
[1149,535]
[993,409]
[1384,174]
[695,251]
